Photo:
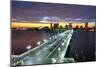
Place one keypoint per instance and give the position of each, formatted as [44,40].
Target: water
[83,46]
[21,39]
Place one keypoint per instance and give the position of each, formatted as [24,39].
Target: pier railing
[51,51]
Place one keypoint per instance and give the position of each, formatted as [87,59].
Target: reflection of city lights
[38,43]
[28,47]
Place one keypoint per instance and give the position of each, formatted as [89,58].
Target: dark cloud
[35,11]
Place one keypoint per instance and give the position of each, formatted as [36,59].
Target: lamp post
[28,48]
[59,51]
[38,43]
[62,44]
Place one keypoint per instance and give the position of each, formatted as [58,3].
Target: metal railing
[46,52]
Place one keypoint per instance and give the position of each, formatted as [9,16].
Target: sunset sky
[32,25]
[36,12]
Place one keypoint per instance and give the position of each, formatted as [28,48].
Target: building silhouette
[81,27]
[56,25]
[86,26]
[51,26]
[70,25]
[77,27]
[94,28]
[66,27]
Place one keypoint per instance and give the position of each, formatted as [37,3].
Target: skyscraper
[56,25]
[86,26]
[70,25]
[51,26]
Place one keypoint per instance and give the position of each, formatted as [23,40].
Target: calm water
[83,46]
[21,39]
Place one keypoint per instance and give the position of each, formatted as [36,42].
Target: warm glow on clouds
[63,24]
[30,24]
[91,24]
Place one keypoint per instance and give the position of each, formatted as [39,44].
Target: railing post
[22,62]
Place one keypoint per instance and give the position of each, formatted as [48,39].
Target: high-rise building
[70,25]
[51,25]
[56,25]
[86,26]
[66,27]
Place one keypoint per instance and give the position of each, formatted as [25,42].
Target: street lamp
[62,44]
[38,43]
[28,47]
[59,49]
[45,40]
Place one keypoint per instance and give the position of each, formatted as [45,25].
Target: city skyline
[38,25]
[52,33]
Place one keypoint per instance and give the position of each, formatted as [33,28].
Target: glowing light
[38,43]
[28,25]
[45,40]
[28,47]
[53,60]
[62,44]
[40,24]
[59,49]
